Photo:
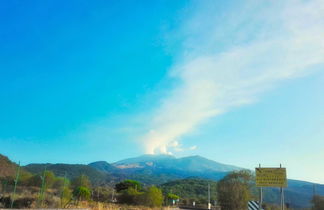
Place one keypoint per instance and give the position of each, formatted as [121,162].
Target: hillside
[7,168]
[158,169]
[191,163]
[192,189]
[72,170]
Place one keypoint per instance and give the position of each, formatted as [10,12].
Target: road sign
[271,177]
[253,205]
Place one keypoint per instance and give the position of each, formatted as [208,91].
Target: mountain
[103,166]
[158,169]
[168,162]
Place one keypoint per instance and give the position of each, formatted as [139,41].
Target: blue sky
[240,83]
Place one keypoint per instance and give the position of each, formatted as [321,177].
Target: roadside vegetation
[22,189]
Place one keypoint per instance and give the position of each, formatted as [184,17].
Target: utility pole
[282,196]
[16,181]
[112,196]
[261,195]
[209,196]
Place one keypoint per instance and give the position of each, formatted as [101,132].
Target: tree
[81,193]
[172,197]
[81,181]
[130,196]
[153,197]
[36,180]
[127,184]
[318,202]
[60,183]
[234,190]
[49,179]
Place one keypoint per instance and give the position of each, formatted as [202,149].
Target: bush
[81,193]
[127,184]
[130,196]
[81,181]
[153,197]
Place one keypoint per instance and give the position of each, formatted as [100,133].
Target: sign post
[271,177]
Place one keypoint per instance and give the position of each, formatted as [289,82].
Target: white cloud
[193,147]
[286,42]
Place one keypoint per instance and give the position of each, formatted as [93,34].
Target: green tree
[127,184]
[172,197]
[49,179]
[153,197]
[81,181]
[60,183]
[36,180]
[318,202]
[234,190]
[81,193]
[130,196]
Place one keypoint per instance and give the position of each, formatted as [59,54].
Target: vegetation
[131,192]
[126,184]
[66,186]
[234,190]
[81,193]
[318,202]
[190,190]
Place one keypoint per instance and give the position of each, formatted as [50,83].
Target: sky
[238,82]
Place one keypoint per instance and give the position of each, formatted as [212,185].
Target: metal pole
[16,181]
[282,197]
[261,195]
[208,196]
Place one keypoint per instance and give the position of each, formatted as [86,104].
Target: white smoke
[276,43]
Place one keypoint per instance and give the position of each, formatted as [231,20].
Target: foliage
[81,193]
[128,183]
[234,190]
[72,171]
[318,202]
[66,197]
[130,196]
[81,181]
[36,180]
[191,189]
[153,197]
[49,179]
[172,196]
[103,194]
[60,183]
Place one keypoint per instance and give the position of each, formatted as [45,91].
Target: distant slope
[191,163]
[158,169]
[103,166]
[72,170]
[9,168]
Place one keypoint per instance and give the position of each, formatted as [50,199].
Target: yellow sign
[271,177]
